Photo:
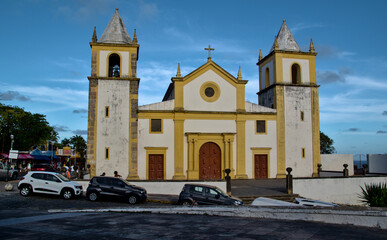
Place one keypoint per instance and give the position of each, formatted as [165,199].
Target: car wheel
[186,203]
[67,194]
[133,199]
[93,196]
[25,191]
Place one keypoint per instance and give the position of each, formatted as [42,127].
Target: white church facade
[203,125]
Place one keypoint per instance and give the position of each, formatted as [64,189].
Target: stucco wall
[268,140]
[298,134]
[287,66]
[103,59]
[334,162]
[336,190]
[113,131]
[194,101]
[166,139]
[377,163]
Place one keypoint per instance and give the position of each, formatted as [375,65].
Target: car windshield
[127,182]
[63,178]
[221,192]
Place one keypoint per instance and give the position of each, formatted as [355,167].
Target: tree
[79,144]
[29,129]
[326,144]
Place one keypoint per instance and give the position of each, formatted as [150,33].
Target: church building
[203,125]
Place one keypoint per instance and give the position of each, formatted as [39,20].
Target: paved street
[28,218]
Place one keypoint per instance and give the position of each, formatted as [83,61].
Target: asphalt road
[28,218]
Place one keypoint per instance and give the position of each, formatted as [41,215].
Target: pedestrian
[68,174]
[103,174]
[116,174]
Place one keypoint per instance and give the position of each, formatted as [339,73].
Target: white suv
[48,183]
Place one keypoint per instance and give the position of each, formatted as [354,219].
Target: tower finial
[260,55]
[283,20]
[311,46]
[276,46]
[209,51]
[117,9]
[134,37]
[94,38]
[178,74]
[239,73]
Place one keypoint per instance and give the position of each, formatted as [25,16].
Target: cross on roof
[209,51]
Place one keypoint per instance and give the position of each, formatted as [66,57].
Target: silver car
[12,173]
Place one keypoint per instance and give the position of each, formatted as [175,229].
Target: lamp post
[9,159]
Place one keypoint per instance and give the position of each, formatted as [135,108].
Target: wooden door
[260,166]
[156,167]
[209,161]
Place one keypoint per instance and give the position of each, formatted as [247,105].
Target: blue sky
[45,55]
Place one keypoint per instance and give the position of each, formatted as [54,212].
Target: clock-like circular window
[210,91]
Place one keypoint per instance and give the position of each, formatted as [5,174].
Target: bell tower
[287,83]
[113,102]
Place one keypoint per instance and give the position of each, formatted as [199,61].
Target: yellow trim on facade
[281,149]
[256,127]
[156,150]
[212,85]
[150,126]
[260,151]
[107,63]
[179,149]
[107,153]
[206,115]
[315,131]
[241,149]
[224,141]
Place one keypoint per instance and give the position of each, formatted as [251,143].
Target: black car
[205,194]
[115,187]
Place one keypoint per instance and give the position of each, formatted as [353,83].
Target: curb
[370,218]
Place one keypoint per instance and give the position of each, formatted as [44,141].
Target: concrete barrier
[337,190]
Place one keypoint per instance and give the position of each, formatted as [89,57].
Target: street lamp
[9,159]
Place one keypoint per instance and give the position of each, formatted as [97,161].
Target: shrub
[374,194]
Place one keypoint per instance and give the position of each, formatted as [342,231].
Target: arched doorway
[209,161]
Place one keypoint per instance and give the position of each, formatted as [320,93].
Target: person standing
[116,174]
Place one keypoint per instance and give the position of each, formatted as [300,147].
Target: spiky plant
[374,194]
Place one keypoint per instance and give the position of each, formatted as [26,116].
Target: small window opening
[261,126]
[267,77]
[106,153]
[155,125]
[302,115]
[296,74]
[114,65]
[106,111]
[303,152]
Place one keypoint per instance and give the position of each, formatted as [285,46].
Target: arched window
[267,77]
[114,65]
[296,74]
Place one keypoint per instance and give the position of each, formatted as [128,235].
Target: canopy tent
[44,156]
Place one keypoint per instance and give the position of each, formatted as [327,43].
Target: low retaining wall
[164,187]
[337,190]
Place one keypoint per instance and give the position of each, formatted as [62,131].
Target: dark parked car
[42,167]
[205,194]
[113,186]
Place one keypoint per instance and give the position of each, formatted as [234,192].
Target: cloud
[381,132]
[301,26]
[332,52]
[384,113]
[13,95]
[70,80]
[80,132]
[329,77]
[80,111]
[353,130]
[61,128]
[147,10]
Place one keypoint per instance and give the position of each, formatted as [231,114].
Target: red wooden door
[156,167]
[209,161]
[260,166]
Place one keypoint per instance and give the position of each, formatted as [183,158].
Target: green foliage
[77,142]
[326,144]
[28,129]
[375,195]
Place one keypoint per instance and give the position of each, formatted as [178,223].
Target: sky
[45,55]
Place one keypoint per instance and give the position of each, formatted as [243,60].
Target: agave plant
[374,194]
